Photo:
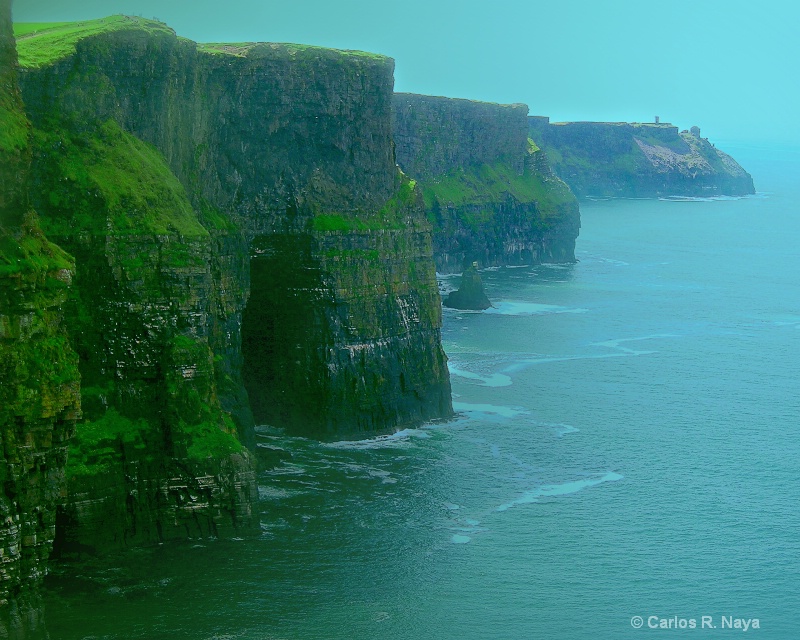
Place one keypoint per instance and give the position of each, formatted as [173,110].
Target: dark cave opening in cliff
[281,330]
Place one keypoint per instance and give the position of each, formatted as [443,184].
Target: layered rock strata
[637,160]
[216,196]
[488,190]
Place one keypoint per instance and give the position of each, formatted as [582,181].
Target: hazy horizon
[721,66]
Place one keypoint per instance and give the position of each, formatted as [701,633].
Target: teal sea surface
[627,444]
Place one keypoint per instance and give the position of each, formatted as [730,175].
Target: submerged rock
[470,294]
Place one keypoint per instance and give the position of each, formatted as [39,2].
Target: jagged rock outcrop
[488,189]
[470,294]
[216,196]
[637,160]
[39,381]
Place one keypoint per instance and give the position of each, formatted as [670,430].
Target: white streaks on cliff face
[409,313]
[663,158]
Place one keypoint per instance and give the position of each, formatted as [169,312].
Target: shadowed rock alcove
[284,341]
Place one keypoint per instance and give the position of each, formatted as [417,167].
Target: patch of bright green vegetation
[33,371]
[242,49]
[389,216]
[208,440]
[30,251]
[199,428]
[13,122]
[236,49]
[109,181]
[40,44]
[484,183]
[98,445]
[27,28]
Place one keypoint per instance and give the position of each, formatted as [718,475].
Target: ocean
[625,461]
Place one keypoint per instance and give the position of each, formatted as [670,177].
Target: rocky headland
[637,160]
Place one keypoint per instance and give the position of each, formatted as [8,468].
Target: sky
[728,66]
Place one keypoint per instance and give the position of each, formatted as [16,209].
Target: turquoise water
[626,445]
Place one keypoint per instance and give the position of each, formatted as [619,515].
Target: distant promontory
[637,160]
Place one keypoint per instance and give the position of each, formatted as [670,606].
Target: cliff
[245,249]
[488,190]
[634,160]
[39,381]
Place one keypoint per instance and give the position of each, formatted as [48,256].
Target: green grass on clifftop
[242,49]
[42,43]
[492,183]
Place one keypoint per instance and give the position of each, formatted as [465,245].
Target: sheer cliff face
[39,382]
[489,192]
[284,156]
[619,159]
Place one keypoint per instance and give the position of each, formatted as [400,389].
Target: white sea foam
[398,438]
[552,490]
[464,531]
[703,198]
[617,342]
[518,308]
[493,380]
[560,429]
[506,412]
[519,365]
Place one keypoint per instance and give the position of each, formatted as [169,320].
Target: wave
[493,380]
[506,412]
[553,490]
[519,308]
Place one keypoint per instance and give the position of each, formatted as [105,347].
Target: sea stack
[470,294]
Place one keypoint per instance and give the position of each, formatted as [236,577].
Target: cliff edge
[488,190]
[246,252]
[637,160]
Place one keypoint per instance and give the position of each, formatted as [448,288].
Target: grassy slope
[491,182]
[140,193]
[30,252]
[42,43]
[241,49]
[13,124]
